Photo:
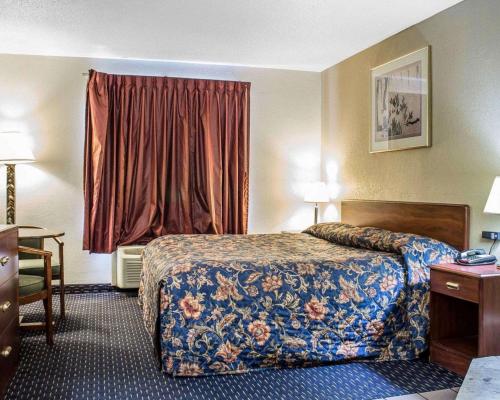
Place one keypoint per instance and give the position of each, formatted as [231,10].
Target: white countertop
[482,380]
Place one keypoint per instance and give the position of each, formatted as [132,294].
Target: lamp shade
[15,148]
[493,203]
[317,193]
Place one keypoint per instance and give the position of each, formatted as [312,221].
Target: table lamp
[14,150]
[317,193]
[493,203]
[493,207]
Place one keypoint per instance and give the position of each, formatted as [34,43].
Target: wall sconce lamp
[14,150]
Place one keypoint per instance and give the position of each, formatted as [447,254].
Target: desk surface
[6,227]
[478,271]
[36,233]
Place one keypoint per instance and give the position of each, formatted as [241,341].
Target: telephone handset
[475,257]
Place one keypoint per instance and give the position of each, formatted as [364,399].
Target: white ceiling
[292,34]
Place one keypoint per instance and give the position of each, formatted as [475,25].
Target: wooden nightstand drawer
[8,302]
[9,353]
[458,286]
[8,256]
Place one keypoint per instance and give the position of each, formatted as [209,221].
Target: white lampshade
[15,148]
[493,204]
[317,192]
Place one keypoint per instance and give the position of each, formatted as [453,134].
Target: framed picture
[400,92]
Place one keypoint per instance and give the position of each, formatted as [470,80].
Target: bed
[354,290]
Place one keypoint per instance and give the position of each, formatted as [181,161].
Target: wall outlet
[490,235]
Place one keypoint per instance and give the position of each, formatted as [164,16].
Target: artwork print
[400,99]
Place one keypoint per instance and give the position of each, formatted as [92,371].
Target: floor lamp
[14,150]
[317,193]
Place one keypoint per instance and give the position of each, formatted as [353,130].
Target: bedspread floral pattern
[232,303]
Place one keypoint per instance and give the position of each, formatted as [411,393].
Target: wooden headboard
[448,223]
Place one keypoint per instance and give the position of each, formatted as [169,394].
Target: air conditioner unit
[127,266]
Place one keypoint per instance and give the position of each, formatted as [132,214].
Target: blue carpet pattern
[102,351]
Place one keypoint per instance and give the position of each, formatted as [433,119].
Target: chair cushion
[30,284]
[35,267]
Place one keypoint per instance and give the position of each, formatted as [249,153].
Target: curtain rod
[196,79]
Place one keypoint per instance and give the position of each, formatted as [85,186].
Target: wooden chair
[30,264]
[34,288]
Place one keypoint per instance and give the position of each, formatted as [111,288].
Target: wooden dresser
[465,314]
[9,308]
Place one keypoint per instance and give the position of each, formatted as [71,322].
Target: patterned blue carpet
[102,351]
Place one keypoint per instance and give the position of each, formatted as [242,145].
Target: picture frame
[401,103]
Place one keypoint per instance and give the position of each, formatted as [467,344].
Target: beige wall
[465,153]
[45,98]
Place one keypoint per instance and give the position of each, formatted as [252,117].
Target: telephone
[475,257]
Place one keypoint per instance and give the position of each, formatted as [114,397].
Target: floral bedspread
[233,303]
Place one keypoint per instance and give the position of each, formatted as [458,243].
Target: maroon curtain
[164,155]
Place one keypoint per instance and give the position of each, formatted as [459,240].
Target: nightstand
[464,314]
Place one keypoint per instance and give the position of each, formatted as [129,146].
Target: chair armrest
[37,252]
[47,265]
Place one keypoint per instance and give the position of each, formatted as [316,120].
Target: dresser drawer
[454,285]
[8,255]
[9,354]
[8,302]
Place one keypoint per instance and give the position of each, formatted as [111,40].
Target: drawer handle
[6,351]
[5,306]
[452,285]
[3,261]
